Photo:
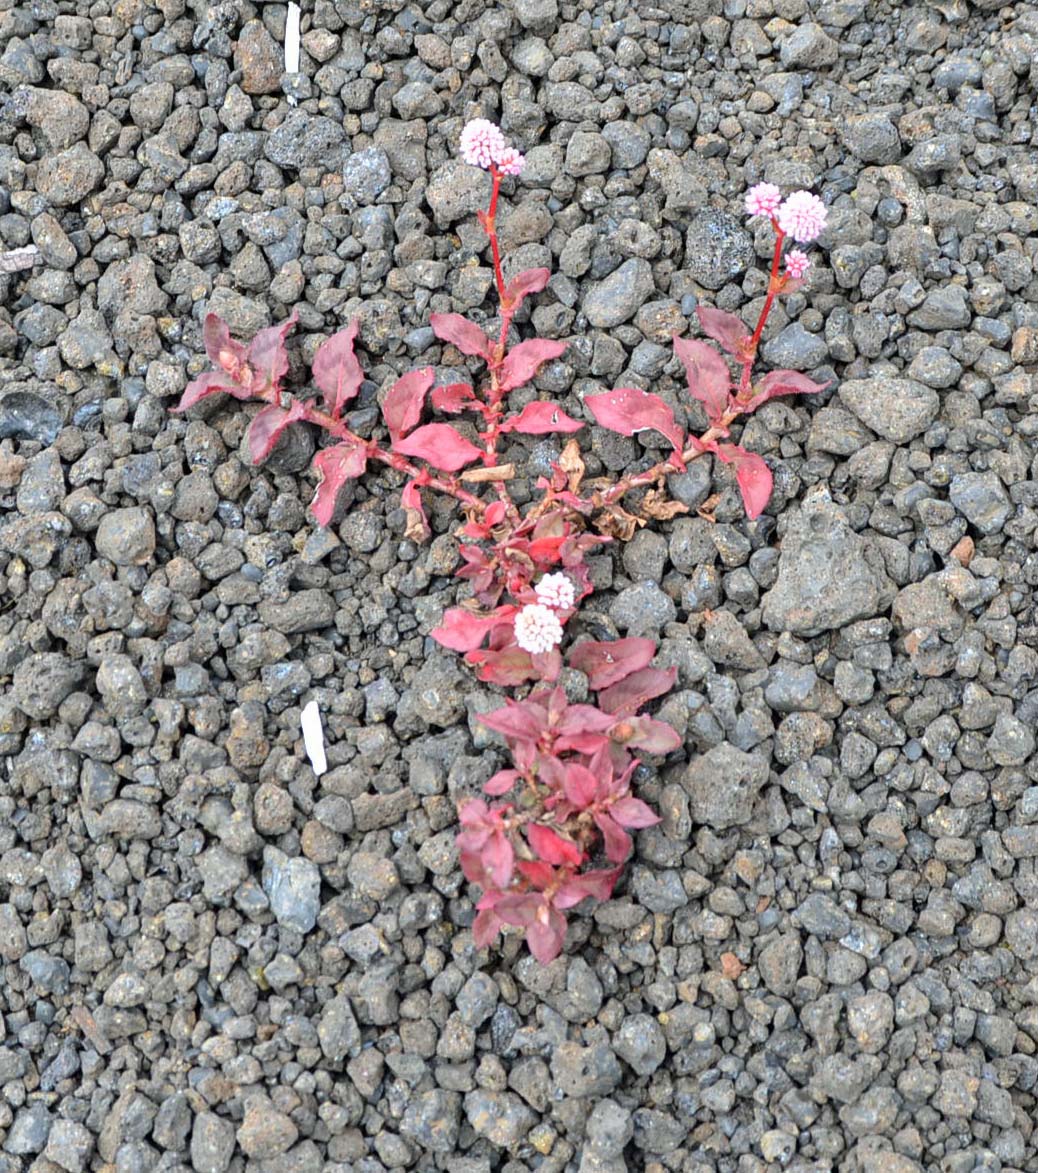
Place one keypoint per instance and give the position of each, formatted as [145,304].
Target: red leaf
[498,859]
[753,476]
[462,333]
[266,428]
[579,785]
[545,938]
[337,465]
[268,357]
[523,360]
[552,848]
[708,378]
[518,720]
[501,782]
[402,408]
[645,733]
[527,282]
[629,410]
[582,728]
[632,813]
[536,419]
[547,665]
[598,884]
[440,445]
[336,370]
[463,630]
[608,663]
[617,842]
[507,667]
[453,398]
[776,383]
[639,688]
[724,328]
[230,356]
[210,383]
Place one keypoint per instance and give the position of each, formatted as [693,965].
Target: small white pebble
[292,39]
[313,737]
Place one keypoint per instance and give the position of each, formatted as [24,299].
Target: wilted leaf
[268,357]
[539,418]
[708,378]
[523,360]
[629,410]
[753,476]
[403,404]
[572,465]
[660,507]
[616,522]
[337,465]
[266,428]
[724,328]
[417,527]
[462,333]
[607,663]
[440,445]
[336,370]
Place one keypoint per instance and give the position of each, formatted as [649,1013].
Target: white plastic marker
[19,258]
[292,39]
[313,738]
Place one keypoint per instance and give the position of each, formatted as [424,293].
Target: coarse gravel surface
[826,955]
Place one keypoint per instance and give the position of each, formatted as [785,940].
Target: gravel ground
[825,956]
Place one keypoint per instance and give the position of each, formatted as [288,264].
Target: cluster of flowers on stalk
[527,571]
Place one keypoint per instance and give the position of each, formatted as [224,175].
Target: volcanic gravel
[826,955]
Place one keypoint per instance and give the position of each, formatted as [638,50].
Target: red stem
[774,285]
[449,485]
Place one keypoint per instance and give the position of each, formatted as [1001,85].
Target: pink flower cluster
[483,145]
[801,215]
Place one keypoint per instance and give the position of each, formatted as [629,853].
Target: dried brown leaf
[658,506]
[572,465]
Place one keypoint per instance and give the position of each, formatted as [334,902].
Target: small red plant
[630,410]
[566,796]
